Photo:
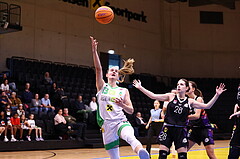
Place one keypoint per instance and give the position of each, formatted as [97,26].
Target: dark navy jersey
[177,112]
[203,120]
[237,123]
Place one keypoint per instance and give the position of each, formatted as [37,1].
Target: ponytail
[197,92]
[127,69]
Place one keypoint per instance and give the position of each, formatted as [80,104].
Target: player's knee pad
[182,155]
[162,154]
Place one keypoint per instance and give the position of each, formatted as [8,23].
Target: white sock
[12,136]
[114,153]
[5,136]
[36,136]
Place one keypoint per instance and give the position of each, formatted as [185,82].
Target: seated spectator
[15,101]
[24,125]
[27,96]
[5,87]
[80,128]
[4,77]
[36,105]
[81,108]
[92,116]
[47,107]
[140,124]
[56,95]
[7,124]
[33,126]
[93,104]
[4,101]
[12,84]
[60,125]
[8,112]
[15,120]
[20,110]
[47,79]
[2,124]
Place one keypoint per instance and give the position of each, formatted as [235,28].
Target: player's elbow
[131,111]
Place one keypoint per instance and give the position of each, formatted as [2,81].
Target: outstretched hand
[231,116]
[94,44]
[137,84]
[220,89]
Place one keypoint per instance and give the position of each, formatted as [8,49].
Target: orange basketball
[104,15]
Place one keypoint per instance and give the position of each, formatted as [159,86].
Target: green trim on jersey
[112,144]
[100,120]
[112,87]
[124,125]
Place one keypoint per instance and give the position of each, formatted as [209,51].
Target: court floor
[197,152]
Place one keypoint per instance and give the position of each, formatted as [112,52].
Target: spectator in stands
[47,79]
[93,104]
[60,124]
[4,101]
[32,126]
[27,95]
[2,124]
[5,87]
[93,108]
[8,112]
[81,108]
[15,121]
[20,110]
[4,77]
[24,125]
[79,127]
[36,105]
[15,101]
[47,107]
[56,95]
[7,124]
[140,124]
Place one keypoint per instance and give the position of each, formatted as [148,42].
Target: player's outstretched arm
[219,90]
[97,64]
[160,97]
[234,114]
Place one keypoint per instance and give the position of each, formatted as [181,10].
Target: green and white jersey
[107,108]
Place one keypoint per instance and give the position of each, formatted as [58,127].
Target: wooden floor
[197,152]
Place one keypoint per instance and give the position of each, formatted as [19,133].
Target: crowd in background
[20,112]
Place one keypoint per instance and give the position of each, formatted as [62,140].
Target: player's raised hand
[94,44]
[137,84]
[220,89]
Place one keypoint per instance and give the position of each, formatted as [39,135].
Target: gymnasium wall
[191,49]
[171,43]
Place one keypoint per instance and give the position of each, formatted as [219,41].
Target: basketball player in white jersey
[112,100]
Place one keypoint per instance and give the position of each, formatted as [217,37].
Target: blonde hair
[127,69]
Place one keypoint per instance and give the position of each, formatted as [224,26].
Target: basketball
[104,15]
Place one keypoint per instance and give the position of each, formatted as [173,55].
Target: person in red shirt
[15,120]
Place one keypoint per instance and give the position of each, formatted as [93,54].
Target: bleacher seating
[77,79]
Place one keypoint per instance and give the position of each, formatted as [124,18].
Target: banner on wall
[123,12]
